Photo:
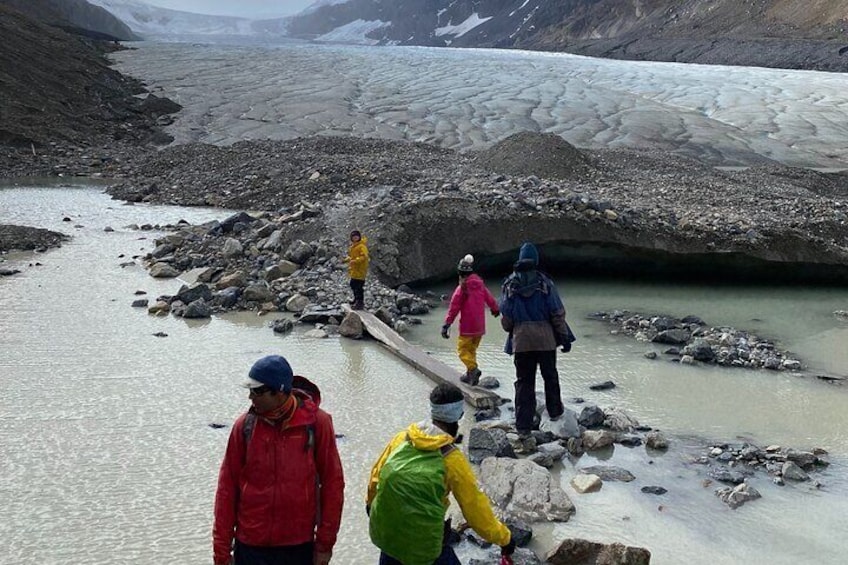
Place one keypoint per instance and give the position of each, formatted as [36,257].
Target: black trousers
[302,554]
[448,557]
[525,387]
[358,288]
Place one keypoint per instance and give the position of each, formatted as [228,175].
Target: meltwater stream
[107,455]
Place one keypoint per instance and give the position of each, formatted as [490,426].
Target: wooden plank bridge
[425,363]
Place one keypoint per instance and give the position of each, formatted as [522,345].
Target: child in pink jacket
[469,302]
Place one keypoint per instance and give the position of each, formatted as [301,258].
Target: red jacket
[469,302]
[282,491]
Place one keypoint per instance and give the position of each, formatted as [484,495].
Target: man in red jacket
[281,488]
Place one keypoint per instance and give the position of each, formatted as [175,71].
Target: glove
[446,331]
[496,313]
[508,549]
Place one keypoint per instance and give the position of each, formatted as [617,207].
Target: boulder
[320,315]
[618,420]
[583,552]
[162,250]
[738,495]
[672,337]
[197,309]
[257,293]
[282,326]
[488,442]
[564,427]
[591,416]
[299,252]
[524,491]
[274,241]
[159,308]
[597,439]
[140,303]
[793,472]
[352,326]
[163,271]
[609,473]
[227,298]
[656,440]
[280,270]
[232,248]
[297,303]
[237,218]
[700,350]
[190,293]
[237,279]
[586,483]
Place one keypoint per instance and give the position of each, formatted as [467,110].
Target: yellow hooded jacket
[357,257]
[459,477]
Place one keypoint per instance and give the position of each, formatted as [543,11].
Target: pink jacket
[469,301]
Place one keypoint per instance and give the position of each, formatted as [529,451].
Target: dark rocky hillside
[57,89]
[771,33]
[75,16]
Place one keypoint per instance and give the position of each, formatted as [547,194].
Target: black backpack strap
[445,449]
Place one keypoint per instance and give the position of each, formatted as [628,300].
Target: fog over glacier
[469,98]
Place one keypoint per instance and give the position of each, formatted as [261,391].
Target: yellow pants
[466,348]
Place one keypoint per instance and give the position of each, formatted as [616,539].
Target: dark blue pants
[448,557]
[281,555]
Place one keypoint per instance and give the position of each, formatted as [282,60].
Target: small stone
[586,483]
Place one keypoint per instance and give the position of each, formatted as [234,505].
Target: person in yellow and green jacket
[409,487]
[357,267]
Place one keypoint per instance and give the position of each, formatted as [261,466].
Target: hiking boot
[358,306]
[472,377]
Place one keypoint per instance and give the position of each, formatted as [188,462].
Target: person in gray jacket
[534,316]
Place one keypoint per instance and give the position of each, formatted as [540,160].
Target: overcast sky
[248,8]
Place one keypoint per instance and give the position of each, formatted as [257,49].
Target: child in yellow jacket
[357,266]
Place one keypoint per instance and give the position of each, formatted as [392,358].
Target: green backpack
[407,513]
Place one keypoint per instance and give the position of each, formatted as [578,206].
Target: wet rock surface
[24,238]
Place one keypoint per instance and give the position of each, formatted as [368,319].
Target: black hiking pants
[525,387]
[358,288]
[302,554]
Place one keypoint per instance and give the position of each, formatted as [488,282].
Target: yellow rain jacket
[357,257]
[459,477]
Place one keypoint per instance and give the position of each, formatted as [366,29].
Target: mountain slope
[780,33]
[58,88]
[75,16]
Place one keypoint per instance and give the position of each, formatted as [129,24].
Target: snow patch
[354,32]
[146,19]
[512,13]
[473,21]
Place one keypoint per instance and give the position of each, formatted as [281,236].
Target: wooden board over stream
[431,367]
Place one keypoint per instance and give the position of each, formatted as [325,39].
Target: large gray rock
[163,271]
[564,427]
[672,337]
[237,279]
[274,241]
[700,351]
[190,293]
[299,252]
[793,472]
[162,250]
[597,439]
[351,326]
[524,491]
[488,442]
[297,303]
[584,552]
[280,270]
[232,248]
[591,416]
[237,218]
[258,293]
[656,440]
[320,315]
[738,495]
[197,309]
[609,473]
[618,420]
